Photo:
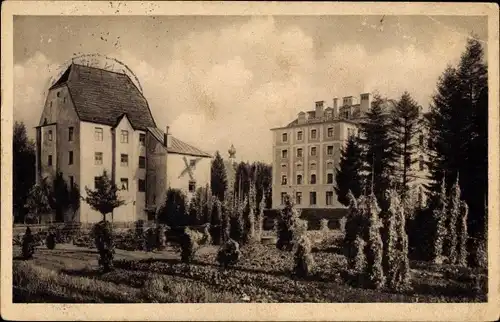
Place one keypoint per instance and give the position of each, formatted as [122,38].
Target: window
[142,162]
[313,134]
[192,164]
[192,186]
[348,132]
[284,137]
[283,196]
[299,179]
[329,178]
[124,160]
[299,136]
[49,135]
[312,166]
[299,153]
[329,150]
[142,139]
[49,161]
[58,94]
[329,198]
[284,154]
[283,180]
[421,163]
[142,185]
[330,132]
[313,151]
[71,181]
[70,133]
[98,133]
[312,197]
[283,165]
[313,179]
[64,99]
[299,165]
[124,136]
[298,198]
[96,182]
[124,182]
[98,158]
[70,157]
[329,165]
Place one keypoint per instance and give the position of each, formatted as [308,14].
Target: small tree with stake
[104,199]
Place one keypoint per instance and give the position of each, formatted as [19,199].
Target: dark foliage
[174,211]
[104,242]
[348,174]
[28,248]
[228,254]
[218,181]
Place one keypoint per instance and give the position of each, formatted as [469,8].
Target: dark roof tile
[102,96]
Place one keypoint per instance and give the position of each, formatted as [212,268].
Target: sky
[222,80]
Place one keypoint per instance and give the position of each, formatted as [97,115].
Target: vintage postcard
[249,161]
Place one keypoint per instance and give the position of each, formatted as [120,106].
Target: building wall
[156,165]
[59,109]
[319,164]
[176,164]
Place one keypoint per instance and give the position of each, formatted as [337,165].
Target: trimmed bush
[303,259]
[51,240]
[28,248]
[229,253]
[216,222]
[207,238]
[189,245]
[161,237]
[150,239]
[286,226]
[104,242]
[237,225]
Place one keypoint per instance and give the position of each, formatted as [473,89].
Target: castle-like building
[306,152]
[96,120]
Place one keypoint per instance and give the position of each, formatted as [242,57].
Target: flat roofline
[319,122]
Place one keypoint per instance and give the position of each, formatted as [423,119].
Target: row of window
[312,198]
[98,135]
[313,151]
[314,135]
[329,179]
[98,160]
[141,186]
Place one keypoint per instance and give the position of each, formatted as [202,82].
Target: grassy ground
[69,274]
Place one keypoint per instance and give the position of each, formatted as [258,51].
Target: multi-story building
[96,120]
[307,151]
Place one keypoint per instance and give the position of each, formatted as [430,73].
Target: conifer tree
[216,222]
[348,174]
[378,149]
[286,224]
[405,127]
[458,140]
[374,247]
[391,254]
[218,181]
[463,235]
[440,216]
[454,214]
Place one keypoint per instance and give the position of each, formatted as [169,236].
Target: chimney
[167,138]
[302,117]
[347,101]
[319,109]
[335,107]
[365,104]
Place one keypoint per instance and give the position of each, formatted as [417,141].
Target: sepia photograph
[159,157]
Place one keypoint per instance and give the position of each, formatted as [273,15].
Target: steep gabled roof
[178,146]
[102,96]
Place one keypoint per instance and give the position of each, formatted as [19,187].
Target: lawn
[69,274]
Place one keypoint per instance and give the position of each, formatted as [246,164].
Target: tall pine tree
[458,140]
[405,127]
[218,180]
[348,174]
[378,150]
